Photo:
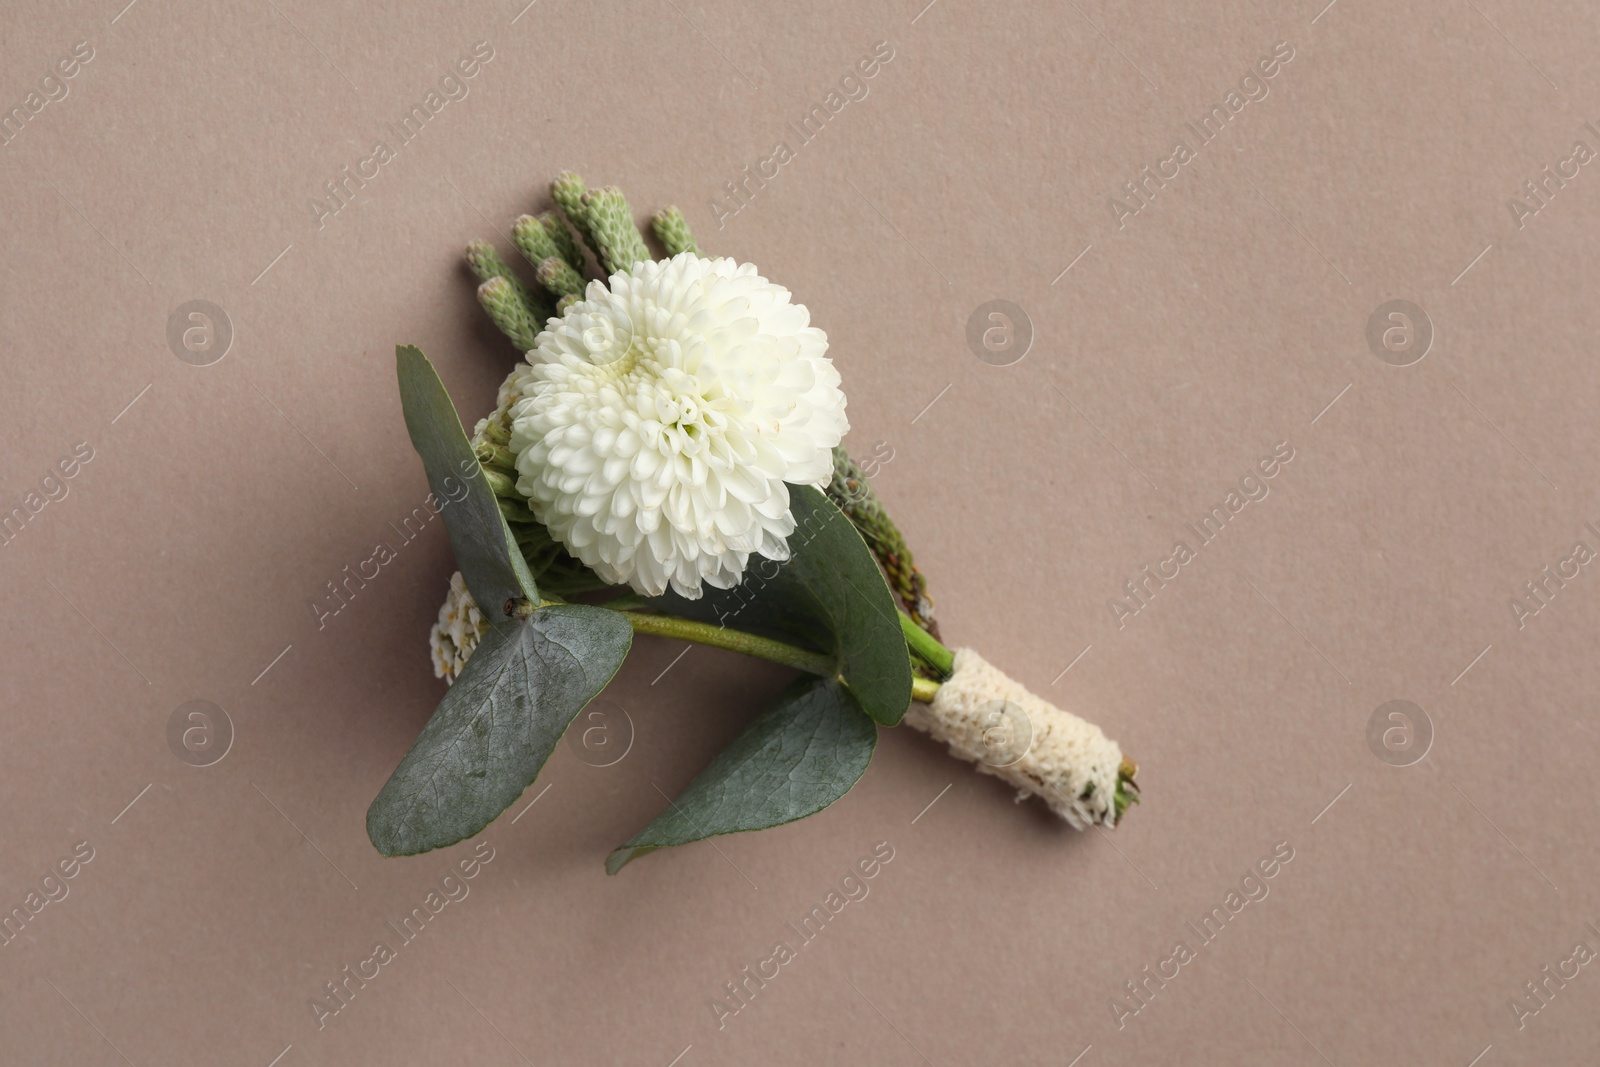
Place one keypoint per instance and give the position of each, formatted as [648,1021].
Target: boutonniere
[667,459]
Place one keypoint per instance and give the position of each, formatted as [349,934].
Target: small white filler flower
[459,629]
[656,422]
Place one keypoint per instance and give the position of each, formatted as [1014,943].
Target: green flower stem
[734,640]
[927,646]
[701,633]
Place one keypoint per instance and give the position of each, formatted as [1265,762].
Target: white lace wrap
[994,721]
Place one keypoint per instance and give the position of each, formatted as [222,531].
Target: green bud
[494,455]
[533,240]
[673,232]
[557,276]
[568,191]
[514,510]
[486,263]
[854,496]
[508,311]
[619,244]
[502,484]
[494,432]
[566,245]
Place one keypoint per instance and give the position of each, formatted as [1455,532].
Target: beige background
[1223,319]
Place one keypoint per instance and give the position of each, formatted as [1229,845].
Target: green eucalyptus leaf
[497,725]
[485,550]
[797,757]
[829,596]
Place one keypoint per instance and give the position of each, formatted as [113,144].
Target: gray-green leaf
[497,725]
[829,596]
[797,757]
[485,551]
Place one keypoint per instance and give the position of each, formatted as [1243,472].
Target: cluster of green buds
[602,221]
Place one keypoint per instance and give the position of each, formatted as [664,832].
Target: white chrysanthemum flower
[459,629]
[660,417]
